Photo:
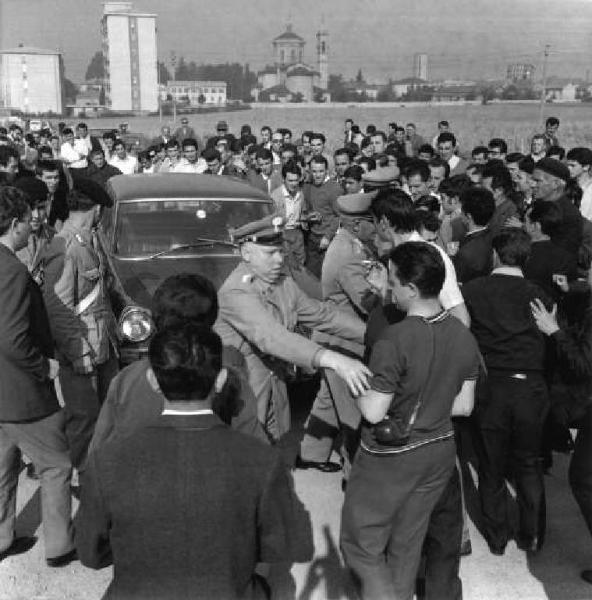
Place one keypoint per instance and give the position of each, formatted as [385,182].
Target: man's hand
[84,365]
[514,222]
[546,321]
[561,282]
[352,371]
[324,243]
[54,368]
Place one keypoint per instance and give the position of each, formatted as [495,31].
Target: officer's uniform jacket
[76,296]
[259,320]
[344,285]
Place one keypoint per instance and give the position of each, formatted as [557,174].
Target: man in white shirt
[288,201]
[191,162]
[446,148]
[125,162]
[579,163]
[73,151]
[538,148]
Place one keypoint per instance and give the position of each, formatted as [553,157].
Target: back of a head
[479,204]
[185,298]
[6,153]
[501,178]
[548,215]
[13,205]
[397,208]
[34,189]
[420,264]
[455,185]
[512,246]
[186,360]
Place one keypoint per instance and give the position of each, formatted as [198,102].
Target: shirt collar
[513,271]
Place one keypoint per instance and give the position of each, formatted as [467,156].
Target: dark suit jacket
[26,393]
[185,509]
[474,257]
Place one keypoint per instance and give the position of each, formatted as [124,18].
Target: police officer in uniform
[260,307]
[76,294]
[345,286]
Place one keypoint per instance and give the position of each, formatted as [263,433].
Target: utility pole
[174,63]
[544,90]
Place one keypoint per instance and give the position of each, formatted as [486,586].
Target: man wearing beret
[80,314]
[550,178]
[344,286]
[260,308]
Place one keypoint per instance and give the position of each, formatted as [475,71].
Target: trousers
[334,412]
[43,441]
[83,397]
[580,468]
[510,416]
[385,516]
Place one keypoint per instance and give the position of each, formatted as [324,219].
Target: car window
[151,226]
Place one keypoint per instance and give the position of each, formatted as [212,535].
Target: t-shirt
[431,357]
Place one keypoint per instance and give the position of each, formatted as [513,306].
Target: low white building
[198,92]
[31,80]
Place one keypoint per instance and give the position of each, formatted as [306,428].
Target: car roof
[182,185]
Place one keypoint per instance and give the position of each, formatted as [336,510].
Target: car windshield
[148,227]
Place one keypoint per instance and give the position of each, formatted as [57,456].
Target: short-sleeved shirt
[400,361]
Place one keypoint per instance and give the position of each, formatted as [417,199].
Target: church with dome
[290,79]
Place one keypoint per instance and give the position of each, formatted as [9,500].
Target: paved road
[552,575]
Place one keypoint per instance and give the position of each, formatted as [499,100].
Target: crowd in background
[489,249]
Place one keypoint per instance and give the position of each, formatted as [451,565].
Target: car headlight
[135,324]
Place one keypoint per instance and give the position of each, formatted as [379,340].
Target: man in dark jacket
[99,169]
[187,507]
[30,416]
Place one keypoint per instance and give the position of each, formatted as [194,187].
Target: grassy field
[473,124]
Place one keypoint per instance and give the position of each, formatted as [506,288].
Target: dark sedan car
[168,223]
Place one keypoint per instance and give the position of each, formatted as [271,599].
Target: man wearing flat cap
[550,178]
[80,314]
[344,286]
[260,308]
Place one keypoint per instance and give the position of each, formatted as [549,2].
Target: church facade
[290,79]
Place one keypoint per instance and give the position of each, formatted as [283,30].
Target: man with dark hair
[550,178]
[99,169]
[538,147]
[378,139]
[227,498]
[498,149]
[352,179]
[30,418]
[447,148]
[512,161]
[342,159]
[514,403]
[417,174]
[288,153]
[497,179]
[190,163]
[213,158]
[453,227]
[349,136]
[319,197]
[426,153]
[260,308]
[479,155]
[134,399]
[90,142]
[108,142]
[172,156]
[317,148]
[264,177]
[72,151]
[424,370]
[579,163]
[51,173]
[277,142]
[396,223]
[9,159]
[439,172]
[76,294]
[475,255]
[288,201]
[126,163]
[550,135]
[413,139]
[549,266]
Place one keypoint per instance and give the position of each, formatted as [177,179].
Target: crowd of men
[446,318]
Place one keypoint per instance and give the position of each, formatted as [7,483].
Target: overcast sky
[463,38]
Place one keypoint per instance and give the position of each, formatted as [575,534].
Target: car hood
[140,278]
